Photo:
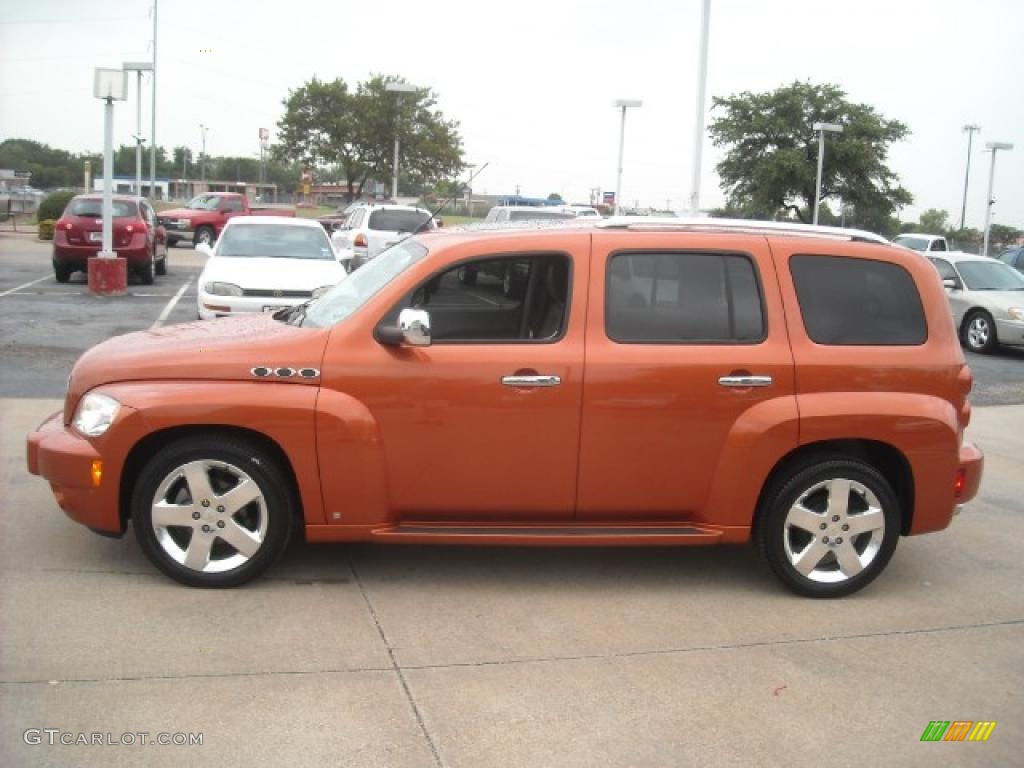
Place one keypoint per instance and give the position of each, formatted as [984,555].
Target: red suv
[137,236]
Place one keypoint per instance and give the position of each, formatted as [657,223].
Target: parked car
[986,298]
[582,211]
[503,213]
[370,228]
[136,237]
[1014,257]
[265,264]
[916,241]
[657,384]
[203,218]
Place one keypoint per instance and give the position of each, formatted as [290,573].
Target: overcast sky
[532,83]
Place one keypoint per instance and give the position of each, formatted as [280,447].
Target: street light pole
[202,157]
[969,130]
[698,131]
[107,273]
[138,67]
[394,87]
[821,128]
[993,147]
[622,104]
[152,135]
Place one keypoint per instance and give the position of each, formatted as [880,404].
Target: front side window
[683,298]
[945,269]
[848,301]
[501,299]
[939,245]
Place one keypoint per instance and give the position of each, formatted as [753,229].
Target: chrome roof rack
[662,223]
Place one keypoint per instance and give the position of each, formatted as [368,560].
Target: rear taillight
[959,483]
[360,241]
[129,229]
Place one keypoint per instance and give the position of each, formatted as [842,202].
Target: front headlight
[321,291]
[222,289]
[95,414]
[1015,313]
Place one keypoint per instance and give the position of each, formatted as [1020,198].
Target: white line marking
[26,285]
[170,306]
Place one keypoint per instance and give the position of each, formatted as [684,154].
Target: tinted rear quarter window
[850,301]
[397,221]
[683,298]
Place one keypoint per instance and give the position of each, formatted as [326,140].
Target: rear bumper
[80,254]
[972,464]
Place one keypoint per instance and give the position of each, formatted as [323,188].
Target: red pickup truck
[204,216]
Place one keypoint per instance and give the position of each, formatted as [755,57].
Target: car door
[685,343]
[958,302]
[483,424]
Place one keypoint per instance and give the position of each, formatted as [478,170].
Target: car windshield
[122,209]
[363,284]
[204,203]
[990,276]
[538,214]
[276,241]
[397,221]
[917,243]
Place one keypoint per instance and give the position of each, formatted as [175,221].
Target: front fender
[283,413]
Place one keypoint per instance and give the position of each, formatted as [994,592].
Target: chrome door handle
[745,381]
[531,381]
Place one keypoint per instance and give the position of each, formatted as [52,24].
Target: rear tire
[830,527]
[212,511]
[147,271]
[161,266]
[62,272]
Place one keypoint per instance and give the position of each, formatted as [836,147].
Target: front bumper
[211,306]
[1010,332]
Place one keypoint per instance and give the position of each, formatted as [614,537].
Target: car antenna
[440,208]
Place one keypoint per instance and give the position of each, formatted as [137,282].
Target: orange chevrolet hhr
[629,383]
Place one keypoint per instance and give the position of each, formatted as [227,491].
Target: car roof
[282,221]
[391,207]
[961,256]
[99,196]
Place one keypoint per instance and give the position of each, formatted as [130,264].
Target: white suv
[500,213]
[370,228]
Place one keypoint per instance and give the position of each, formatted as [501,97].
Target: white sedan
[266,263]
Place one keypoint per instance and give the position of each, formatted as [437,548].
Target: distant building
[185,189]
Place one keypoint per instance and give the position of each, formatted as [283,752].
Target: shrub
[53,204]
[46,229]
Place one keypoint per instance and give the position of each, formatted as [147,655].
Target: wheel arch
[890,461]
[146,448]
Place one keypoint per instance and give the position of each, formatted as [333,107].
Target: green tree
[771,152]
[933,221]
[326,124]
[1001,236]
[554,197]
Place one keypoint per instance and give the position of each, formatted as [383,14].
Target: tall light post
[698,130]
[138,67]
[622,104]
[821,128]
[393,87]
[993,147]
[969,130]
[152,133]
[203,129]
[108,274]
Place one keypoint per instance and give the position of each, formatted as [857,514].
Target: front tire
[204,235]
[979,332]
[212,511]
[830,527]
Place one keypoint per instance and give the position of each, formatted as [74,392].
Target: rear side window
[683,298]
[848,302]
[397,221]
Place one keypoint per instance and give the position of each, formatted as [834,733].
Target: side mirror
[413,330]
[949,282]
[205,249]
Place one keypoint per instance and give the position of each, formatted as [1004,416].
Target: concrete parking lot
[440,656]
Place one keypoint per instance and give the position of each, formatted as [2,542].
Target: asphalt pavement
[442,656]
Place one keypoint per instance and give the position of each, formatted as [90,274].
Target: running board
[551,536]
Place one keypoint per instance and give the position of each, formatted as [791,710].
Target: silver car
[986,297]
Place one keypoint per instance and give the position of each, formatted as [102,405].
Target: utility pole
[698,131]
[969,130]
[993,147]
[202,157]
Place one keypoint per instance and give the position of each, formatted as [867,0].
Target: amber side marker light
[97,472]
[959,483]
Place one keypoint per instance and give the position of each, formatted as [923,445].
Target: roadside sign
[609,198]
[264,134]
